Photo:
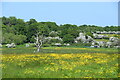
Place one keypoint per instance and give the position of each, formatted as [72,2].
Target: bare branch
[39,41]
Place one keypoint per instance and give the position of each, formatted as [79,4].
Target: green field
[59,62]
[24,50]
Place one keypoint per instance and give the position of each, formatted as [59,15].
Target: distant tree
[12,38]
[55,41]
[53,34]
[51,25]
[9,21]
[14,26]
[20,39]
[12,20]
[43,29]
[32,29]
[5,20]
[21,29]
[68,38]
[89,34]
[31,21]
[69,29]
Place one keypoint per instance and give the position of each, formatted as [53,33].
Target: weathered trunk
[38,49]
[39,42]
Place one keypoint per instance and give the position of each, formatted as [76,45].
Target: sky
[78,13]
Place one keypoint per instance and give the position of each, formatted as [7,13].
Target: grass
[105,40]
[96,65]
[62,50]
[110,35]
[59,62]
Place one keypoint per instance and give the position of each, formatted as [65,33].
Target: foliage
[11,38]
[68,38]
[89,34]
[53,34]
[54,41]
[67,32]
[69,29]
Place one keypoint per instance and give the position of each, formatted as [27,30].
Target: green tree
[19,39]
[68,38]
[11,38]
[9,21]
[43,29]
[31,21]
[89,34]
[53,34]
[69,29]
[32,29]
[51,25]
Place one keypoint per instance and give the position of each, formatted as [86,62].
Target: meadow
[59,62]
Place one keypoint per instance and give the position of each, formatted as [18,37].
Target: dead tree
[39,41]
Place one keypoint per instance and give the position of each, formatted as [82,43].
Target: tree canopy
[18,31]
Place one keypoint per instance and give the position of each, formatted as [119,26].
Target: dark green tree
[68,38]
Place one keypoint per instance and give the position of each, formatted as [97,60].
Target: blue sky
[78,13]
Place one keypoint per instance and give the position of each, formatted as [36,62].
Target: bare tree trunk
[38,49]
[39,41]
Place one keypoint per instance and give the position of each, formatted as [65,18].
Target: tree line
[20,32]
